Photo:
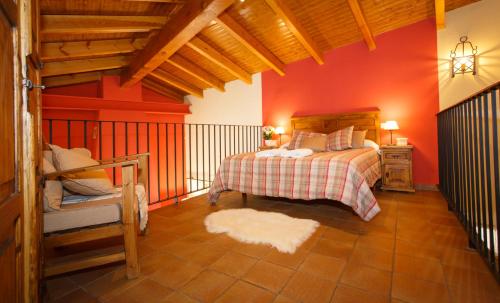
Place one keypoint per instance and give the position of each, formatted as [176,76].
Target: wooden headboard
[330,123]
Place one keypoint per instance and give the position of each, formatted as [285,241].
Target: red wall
[85,102]
[399,77]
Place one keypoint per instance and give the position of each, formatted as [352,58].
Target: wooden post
[129,221]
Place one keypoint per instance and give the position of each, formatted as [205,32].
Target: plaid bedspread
[344,176]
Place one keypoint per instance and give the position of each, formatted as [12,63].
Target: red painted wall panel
[399,77]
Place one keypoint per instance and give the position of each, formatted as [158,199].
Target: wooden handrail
[486,89]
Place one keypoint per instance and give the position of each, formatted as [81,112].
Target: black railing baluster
[167,160]
[197,160]
[85,133]
[68,125]
[126,138]
[50,131]
[158,159]
[175,160]
[190,158]
[183,159]
[113,148]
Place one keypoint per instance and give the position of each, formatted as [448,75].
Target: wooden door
[11,195]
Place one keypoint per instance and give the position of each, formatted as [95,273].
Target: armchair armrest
[90,168]
[123,158]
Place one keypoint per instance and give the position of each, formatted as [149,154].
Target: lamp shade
[390,125]
[280,130]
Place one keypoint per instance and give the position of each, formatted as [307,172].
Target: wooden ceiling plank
[440,14]
[162,89]
[197,72]
[294,25]
[163,76]
[189,21]
[85,65]
[71,79]
[90,24]
[214,56]
[62,51]
[362,24]
[251,43]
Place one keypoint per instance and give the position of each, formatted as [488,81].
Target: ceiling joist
[62,51]
[251,43]
[188,22]
[440,14]
[195,71]
[163,76]
[90,24]
[162,89]
[294,25]
[362,24]
[85,65]
[72,79]
[214,56]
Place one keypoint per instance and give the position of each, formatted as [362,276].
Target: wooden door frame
[24,15]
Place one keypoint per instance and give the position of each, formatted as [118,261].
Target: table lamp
[280,130]
[390,126]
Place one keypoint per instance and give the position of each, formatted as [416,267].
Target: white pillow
[285,146]
[53,190]
[372,144]
[91,183]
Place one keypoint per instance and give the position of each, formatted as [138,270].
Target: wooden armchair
[103,219]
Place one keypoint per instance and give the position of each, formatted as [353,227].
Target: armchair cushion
[100,212]
[94,182]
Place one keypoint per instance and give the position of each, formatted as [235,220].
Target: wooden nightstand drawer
[397,155]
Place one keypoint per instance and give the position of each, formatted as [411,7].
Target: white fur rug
[260,227]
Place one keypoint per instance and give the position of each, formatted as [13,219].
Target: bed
[346,176]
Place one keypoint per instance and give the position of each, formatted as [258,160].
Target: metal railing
[468,136]
[184,157]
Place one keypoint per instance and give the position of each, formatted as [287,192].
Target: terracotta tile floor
[413,251]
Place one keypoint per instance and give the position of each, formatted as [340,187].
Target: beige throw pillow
[358,138]
[92,183]
[316,143]
[53,190]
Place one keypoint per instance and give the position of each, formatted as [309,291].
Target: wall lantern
[466,61]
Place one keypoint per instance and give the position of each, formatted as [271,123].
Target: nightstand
[397,168]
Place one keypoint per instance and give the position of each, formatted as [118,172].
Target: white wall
[480,21]
[240,104]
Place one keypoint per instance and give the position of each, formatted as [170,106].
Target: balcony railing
[184,157]
[468,135]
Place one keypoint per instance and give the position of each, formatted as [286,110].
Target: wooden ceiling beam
[195,71]
[160,1]
[362,24]
[162,89]
[298,30]
[90,24]
[62,51]
[163,76]
[214,56]
[85,65]
[184,25]
[440,13]
[251,43]
[72,79]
